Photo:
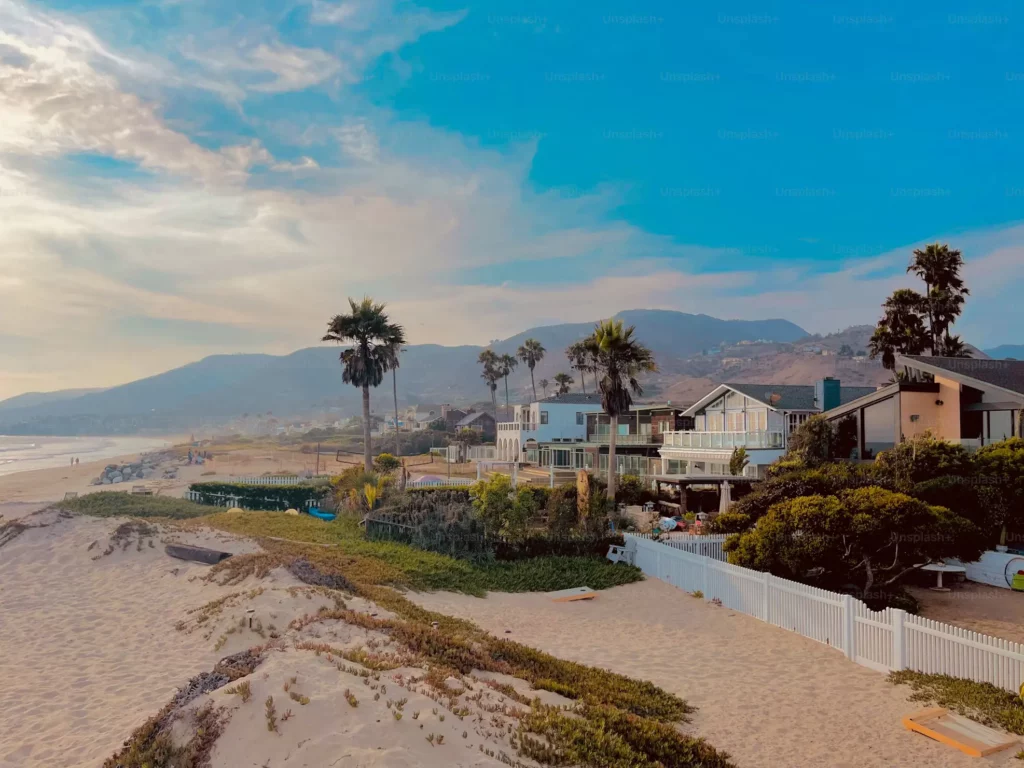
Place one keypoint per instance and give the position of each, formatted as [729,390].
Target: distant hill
[1004,351]
[41,398]
[219,388]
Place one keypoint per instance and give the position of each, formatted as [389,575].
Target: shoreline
[29,453]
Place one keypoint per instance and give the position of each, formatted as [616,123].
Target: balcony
[603,437]
[516,426]
[724,440]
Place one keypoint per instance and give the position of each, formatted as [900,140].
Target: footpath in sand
[768,697]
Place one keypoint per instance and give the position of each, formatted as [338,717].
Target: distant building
[478,421]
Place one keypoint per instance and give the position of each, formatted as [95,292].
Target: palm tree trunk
[367,458]
[583,380]
[533,385]
[394,381]
[931,316]
[507,417]
[494,403]
[613,428]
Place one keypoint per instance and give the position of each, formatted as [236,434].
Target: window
[734,421]
[581,417]
[698,423]
[758,420]
[715,422]
[543,417]
[879,427]
[734,400]
[1000,425]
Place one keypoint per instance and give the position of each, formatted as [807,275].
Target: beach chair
[619,554]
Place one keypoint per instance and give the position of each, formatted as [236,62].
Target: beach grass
[982,702]
[122,504]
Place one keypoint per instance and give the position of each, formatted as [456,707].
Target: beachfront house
[756,417]
[551,422]
[962,400]
[478,421]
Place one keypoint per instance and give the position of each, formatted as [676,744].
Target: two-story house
[756,417]
[550,422]
[972,402]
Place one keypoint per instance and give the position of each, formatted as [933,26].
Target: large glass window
[1000,425]
[734,400]
[879,426]
[715,423]
[734,421]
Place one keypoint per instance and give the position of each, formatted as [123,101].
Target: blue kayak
[315,512]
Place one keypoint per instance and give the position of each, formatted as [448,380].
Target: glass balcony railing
[642,439]
[724,440]
[516,426]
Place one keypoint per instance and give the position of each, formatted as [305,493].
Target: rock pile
[123,473]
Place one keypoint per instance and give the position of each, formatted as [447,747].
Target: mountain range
[693,352]
[219,388]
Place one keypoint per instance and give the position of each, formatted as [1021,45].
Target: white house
[558,419]
[756,417]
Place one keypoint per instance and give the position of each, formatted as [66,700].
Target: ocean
[20,454]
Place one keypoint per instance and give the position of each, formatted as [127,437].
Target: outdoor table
[941,568]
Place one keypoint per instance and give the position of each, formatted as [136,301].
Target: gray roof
[576,398]
[1007,374]
[469,418]
[795,397]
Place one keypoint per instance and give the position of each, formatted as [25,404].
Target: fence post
[704,579]
[849,627]
[766,602]
[899,647]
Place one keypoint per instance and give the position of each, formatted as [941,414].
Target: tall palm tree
[394,350]
[593,351]
[371,355]
[544,383]
[939,267]
[531,352]
[506,364]
[489,360]
[901,328]
[579,357]
[621,359]
[563,380]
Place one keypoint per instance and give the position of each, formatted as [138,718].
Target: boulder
[116,477]
[105,481]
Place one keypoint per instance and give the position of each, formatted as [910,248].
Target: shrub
[921,459]
[983,702]
[562,512]
[501,509]
[385,463]
[260,497]
[123,504]
[632,490]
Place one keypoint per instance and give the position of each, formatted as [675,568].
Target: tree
[506,364]
[911,323]
[738,461]
[371,355]
[818,441]
[531,352]
[593,353]
[579,357]
[846,351]
[621,359]
[491,373]
[869,536]
[544,384]
[385,463]
[1001,480]
[503,510]
[394,350]
[563,380]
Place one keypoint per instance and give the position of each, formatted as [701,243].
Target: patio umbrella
[726,498]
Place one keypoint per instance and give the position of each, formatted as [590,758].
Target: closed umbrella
[726,498]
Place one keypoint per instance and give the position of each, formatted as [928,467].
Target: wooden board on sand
[969,737]
[196,554]
[571,595]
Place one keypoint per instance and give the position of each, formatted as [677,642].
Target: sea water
[20,454]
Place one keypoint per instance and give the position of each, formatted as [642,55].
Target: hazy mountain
[41,398]
[1016,351]
[221,387]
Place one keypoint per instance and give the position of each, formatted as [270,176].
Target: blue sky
[179,177]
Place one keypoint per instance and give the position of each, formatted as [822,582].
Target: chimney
[826,394]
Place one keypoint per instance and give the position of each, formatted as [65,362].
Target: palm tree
[563,380]
[939,267]
[621,359]
[593,351]
[544,383]
[491,374]
[579,356]
[394,350]
[506,364]
[531,352]
[901,328]
[371,355]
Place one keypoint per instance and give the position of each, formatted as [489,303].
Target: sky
[180,178]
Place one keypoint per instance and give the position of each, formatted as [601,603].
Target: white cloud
[357,141]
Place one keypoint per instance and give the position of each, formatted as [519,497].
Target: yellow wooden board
[571,595]
[969,737]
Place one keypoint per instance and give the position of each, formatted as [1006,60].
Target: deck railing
[724,440]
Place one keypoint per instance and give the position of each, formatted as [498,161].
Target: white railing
[439,483]
[723,440]
[482,453]
[517,426]
[706,546]
[267,480]
[882,640]
[604,437]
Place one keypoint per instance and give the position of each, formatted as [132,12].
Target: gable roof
[791,397]
[1004,374]
[469,418]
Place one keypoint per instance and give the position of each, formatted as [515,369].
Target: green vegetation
[983,702]
[121,504]
[385,462]
[266,497]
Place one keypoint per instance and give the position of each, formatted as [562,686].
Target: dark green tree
[531,352]
[563,380]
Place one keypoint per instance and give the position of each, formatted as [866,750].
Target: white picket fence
[708,546]
[439,483]
[267,480]
[882,640]
[225,500]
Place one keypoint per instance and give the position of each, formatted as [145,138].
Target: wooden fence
[882,640]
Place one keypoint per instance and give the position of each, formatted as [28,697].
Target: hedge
[259,497]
